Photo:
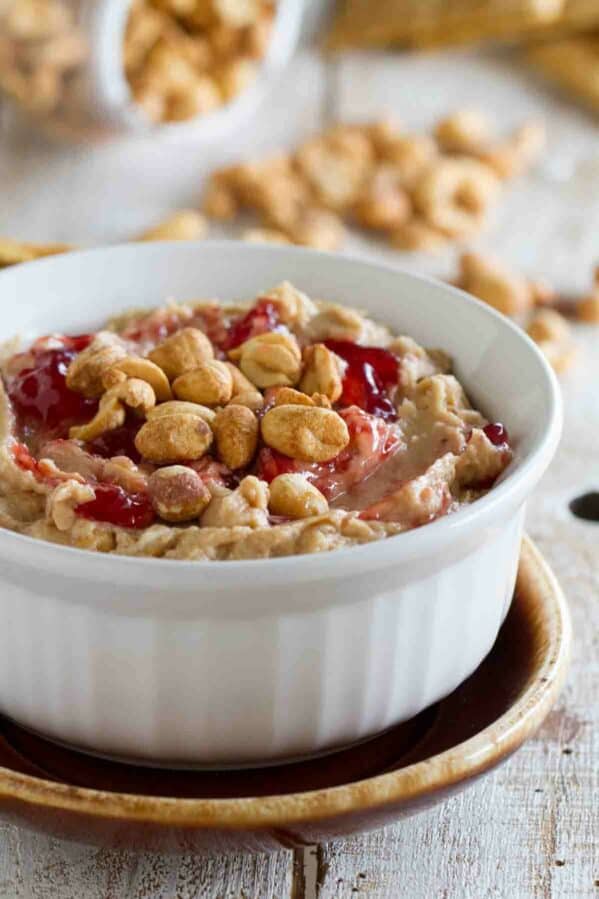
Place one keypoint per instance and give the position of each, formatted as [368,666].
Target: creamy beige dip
[203,431]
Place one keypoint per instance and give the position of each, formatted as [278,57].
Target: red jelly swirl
[113,505]
[40,394]
[371,374]
[262,317]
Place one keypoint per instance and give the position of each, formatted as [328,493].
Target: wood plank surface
[532,828]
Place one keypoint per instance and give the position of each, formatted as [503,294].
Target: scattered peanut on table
[416,191]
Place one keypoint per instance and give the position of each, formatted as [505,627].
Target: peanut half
[236,433]
[270,360]
[85,373]
[312,434]
[322,372]
[179,407]
[144,370]
[182,352]
[136,394]
[244,392]
[293,496]
[173,438]
[210,384]
[177,493]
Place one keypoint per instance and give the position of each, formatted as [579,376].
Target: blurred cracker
[436,23]
[573,64]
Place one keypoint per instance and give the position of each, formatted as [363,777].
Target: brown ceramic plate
[398,773]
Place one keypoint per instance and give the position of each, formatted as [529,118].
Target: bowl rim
[409,546]
[552,623]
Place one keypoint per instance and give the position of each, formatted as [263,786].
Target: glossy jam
[158,325]
[497,434]
[262,317]
[119,442]
[114,505]
[24,459]
[40,393]
[371,374]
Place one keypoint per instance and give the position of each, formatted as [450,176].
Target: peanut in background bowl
[237,663]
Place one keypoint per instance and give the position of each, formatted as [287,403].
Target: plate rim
[403,786]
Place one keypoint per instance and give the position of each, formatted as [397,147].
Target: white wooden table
[531,829]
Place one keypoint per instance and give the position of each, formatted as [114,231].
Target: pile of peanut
[41,50]
[195,405]
[533,304]
[417,191]
[185,58]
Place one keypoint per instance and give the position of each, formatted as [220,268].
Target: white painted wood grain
[507,836]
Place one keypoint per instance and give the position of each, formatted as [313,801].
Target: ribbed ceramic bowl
[404,771]
[237,663]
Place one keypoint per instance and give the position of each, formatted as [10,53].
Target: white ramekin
[235,663]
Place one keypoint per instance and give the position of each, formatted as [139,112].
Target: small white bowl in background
[103,106]
[237,663]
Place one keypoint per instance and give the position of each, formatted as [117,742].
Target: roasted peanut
[246,506]
[270,359]
[453,195]
[335,322]
[546,324]
[236,433]
[552,334]
[311,434]
[293,496]
[318,228]
[335,176]
[287,396]
[179,407]
[542,293]
[587,308]
[142,369]
[209,384]
[383,204]
[187,224]
[293,306]
[237,13]
[110,415]
[86,371]
[383,133]
[411,155]
[136,394]
[265,235]
[235,76]
[244,392]
[515,155]
[491,282]
[173,438]
[197,98]
[177,493]
[464,131]
[182,352]
[416,235]
[64,499]
[322,372]
[219,201]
